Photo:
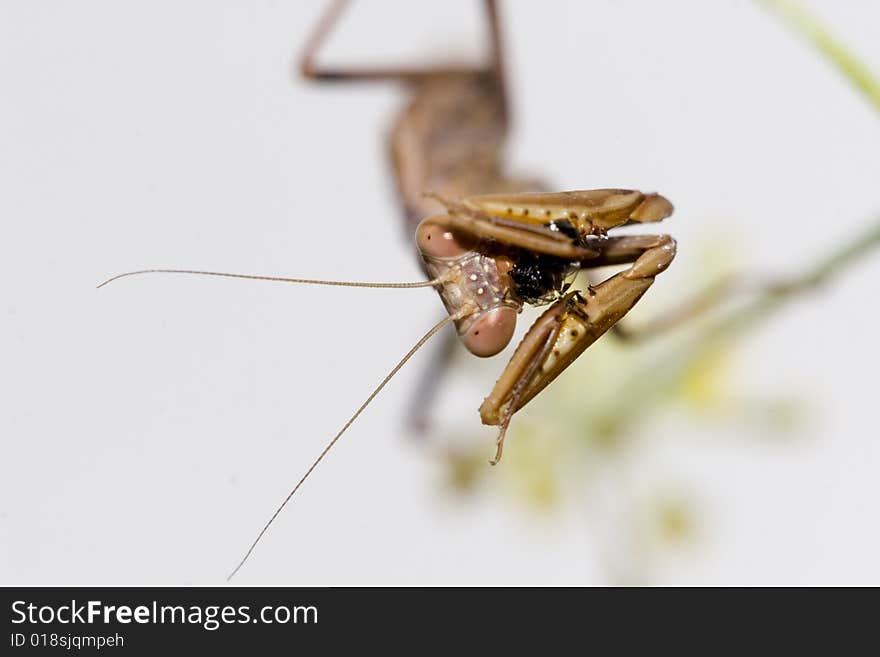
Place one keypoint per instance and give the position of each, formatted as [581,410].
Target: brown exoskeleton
[501,243]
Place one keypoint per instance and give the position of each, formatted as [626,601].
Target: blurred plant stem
[774,298]
[670,368]
[846,62]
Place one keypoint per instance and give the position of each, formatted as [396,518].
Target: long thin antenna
[437,327]
[307,281]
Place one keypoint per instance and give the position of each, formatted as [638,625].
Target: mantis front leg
[572,324]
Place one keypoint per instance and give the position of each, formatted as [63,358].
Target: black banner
[151,621]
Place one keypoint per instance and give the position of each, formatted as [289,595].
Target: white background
[149,428]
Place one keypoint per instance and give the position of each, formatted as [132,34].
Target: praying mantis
[491,242]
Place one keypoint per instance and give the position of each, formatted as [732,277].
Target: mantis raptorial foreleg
[572,324]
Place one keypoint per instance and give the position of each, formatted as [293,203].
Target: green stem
[846,62]
[862,244]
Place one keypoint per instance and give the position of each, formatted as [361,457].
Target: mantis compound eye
[490,332]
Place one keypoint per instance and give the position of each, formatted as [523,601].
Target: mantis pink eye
[491,332]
